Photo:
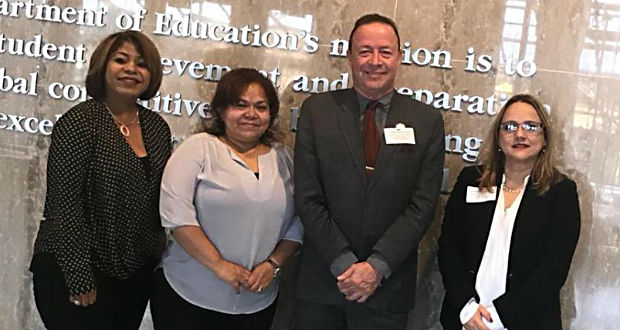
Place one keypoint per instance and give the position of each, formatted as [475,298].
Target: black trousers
[170,311]
[350,315]
[120,304]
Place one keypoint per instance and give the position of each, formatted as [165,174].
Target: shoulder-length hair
[95,79]
[229,91]
[544,172]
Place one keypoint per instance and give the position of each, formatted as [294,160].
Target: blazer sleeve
[547,278]
[456,278]
[310,201]
[68,165]
[405,233]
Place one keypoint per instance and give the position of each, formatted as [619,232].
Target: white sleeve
[178,184]
[468,311]
[497,322]
[295,231]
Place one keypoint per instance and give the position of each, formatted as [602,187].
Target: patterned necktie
[371,138]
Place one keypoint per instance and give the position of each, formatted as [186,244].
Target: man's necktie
[371,138]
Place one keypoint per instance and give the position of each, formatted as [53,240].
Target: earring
[499,150]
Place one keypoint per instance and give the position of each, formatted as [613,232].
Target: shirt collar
[384,102]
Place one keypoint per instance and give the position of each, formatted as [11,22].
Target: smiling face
[126,75]
[374,57]
[521,146]
[247,119]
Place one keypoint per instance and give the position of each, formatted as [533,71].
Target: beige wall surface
[464,57]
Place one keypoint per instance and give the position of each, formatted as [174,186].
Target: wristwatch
[276,267]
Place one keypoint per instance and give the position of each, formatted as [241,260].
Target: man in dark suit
[368,168]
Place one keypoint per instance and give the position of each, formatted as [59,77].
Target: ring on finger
[76,302]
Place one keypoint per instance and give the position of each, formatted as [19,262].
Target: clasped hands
[359,282]
[254,280]
[84,299]
[477,321]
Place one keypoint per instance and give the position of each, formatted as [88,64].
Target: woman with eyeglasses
[510,228]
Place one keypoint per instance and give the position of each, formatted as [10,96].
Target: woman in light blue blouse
[227,199]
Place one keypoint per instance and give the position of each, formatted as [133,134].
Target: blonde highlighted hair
[544,173]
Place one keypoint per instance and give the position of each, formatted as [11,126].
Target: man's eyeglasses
[528,126]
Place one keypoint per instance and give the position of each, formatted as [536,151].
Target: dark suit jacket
[543,240]
[342,210]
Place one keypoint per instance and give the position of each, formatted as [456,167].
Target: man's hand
[359,282]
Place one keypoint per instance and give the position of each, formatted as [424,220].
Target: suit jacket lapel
[348,119]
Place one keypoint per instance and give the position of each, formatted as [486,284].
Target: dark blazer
[543,240]
[342,210]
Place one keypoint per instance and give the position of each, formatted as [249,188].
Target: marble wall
[567,52]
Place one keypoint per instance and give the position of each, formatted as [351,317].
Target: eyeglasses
[528,126]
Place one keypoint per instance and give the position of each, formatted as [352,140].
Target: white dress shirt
[206,185]
[491,276]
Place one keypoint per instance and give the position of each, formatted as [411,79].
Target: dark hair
[95,79]
[228,92]
[374,18]
[544,173]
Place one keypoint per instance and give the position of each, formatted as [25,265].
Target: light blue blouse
[206,185]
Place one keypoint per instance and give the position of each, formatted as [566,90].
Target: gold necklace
[122,126]
[508,190]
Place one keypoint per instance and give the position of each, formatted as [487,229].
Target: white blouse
[206,185]
[491,277]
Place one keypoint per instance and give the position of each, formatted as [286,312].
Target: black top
[146,166]
[102,205]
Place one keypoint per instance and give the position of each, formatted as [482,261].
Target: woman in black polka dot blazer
[101,235]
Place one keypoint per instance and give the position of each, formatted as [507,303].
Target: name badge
[474,195]
[399,135]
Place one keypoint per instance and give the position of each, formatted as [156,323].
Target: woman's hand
[232,273]
[84,299]
[476,322]
[196,243]
[261,277]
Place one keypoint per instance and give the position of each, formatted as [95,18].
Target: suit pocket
[405,148]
